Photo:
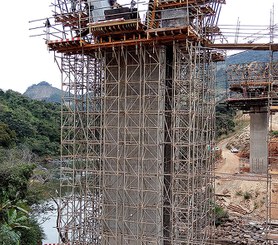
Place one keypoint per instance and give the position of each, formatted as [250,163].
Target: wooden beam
[180,4]
[244,46]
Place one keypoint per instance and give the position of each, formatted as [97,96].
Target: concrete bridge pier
[258,143]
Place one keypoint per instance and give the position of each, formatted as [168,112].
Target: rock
[237,231]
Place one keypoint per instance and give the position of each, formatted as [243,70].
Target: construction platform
[251,87]
[126,33]
[249,104]
[166,22]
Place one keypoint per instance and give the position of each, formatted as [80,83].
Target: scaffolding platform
[218,56]
[119,29]
[251,88]
[72,19]
[245,46]
[61,44]
[127,37]
[186,31]
[183,3]
[252,105]
[250,84]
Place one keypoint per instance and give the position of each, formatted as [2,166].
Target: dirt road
[235,185]
[230,163]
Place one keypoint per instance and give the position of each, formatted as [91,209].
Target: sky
[26,61]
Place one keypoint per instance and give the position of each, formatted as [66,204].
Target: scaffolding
[137,121]
[137,128]
[253,89]
[252,86]
[136,164]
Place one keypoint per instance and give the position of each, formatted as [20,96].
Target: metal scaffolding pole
[137,127]
[137,122]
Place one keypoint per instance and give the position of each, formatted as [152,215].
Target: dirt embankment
[243,195]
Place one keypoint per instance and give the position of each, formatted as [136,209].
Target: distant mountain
[250,56]
[44,91]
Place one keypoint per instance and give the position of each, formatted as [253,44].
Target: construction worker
[132,4]
[47,25]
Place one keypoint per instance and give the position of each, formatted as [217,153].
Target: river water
[49,227]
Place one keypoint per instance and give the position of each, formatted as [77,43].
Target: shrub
[247,195]
[239,193]
[221,215]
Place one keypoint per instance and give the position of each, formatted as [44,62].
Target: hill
[44,91]
[249,56]
[34,124]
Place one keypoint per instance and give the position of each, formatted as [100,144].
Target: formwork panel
[132,206]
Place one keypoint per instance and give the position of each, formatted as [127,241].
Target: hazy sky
[26,61]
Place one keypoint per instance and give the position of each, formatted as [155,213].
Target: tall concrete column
[258,142]
[133,156]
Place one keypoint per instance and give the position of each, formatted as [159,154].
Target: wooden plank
[244,46]
[180,4]
[274,108]
[247,84]
[131,42]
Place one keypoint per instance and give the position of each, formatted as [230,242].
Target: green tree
[14,180]
[32,236]
[224,120]
[7,136]
[15,221]
[12,219]
[8,236]
[34,123]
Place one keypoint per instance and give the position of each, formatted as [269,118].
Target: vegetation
[32,123]
[247,195]
[274,133]
[221,215]
[239,193]
[29,132]
[224,120]
[17,226]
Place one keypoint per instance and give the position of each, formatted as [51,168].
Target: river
[49,227]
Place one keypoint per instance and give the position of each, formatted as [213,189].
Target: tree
[7,136]
[30,122]
[224,120]
[32,236]
[14,180]
[15,220]
[17,226]
[12,219]
[9,236]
